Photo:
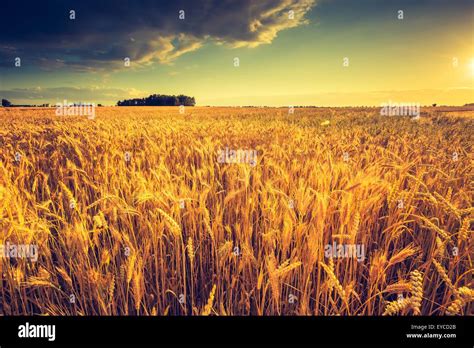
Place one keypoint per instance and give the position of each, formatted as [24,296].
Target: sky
[239,52]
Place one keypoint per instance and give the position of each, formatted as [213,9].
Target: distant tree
[434,105]
[159,100]
[6,103]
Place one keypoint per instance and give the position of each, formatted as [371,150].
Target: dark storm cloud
[105,32]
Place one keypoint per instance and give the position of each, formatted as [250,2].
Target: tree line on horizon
[159,100]
[172,100]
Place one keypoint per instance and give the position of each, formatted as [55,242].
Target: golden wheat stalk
[397,306]
[444,275]
[464,295]
[334,282]
[208,308]
[416,282]
[464,231]
[172,224]
[190,249]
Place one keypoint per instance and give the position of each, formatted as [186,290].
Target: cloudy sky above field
[290,52]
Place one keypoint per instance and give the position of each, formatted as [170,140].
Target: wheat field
[133,214]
